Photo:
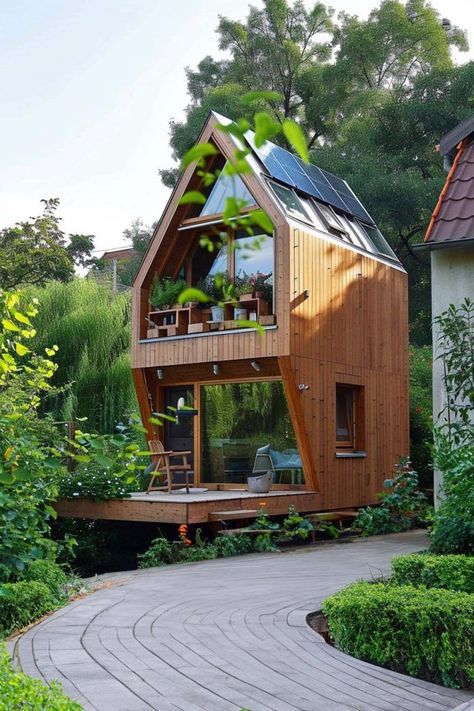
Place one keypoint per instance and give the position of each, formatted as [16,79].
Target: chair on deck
[164,468]
[268,459]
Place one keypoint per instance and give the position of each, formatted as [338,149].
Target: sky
[87,90]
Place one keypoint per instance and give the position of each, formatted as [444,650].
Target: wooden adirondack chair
[164,468]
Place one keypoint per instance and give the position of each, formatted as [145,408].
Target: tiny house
[322,383]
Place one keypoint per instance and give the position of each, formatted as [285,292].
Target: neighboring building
[328,379]
[450,238]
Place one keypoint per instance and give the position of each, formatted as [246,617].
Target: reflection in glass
[236,420]
[254,254]
[224,187]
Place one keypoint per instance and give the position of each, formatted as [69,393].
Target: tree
[36,251]
[268,53]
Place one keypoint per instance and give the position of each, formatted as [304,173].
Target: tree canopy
[36,251]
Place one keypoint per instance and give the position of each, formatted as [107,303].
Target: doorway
[179,436]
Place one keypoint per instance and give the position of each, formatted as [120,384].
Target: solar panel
[308,178]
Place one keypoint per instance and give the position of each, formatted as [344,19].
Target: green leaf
[9,325]
[6,477]
[22,474]
[296,138]
[21,349]
[253,96]
[84,458]
[265,128]
[193,294]
[22,318]
[241,323]
[260,218]
[103,461]
[52,512]
[203,150]
[193,197]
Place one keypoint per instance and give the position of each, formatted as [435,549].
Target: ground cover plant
[424,632]
[18,691]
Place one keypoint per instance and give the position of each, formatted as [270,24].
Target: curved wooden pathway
[225,634]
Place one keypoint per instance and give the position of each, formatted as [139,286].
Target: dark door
[179,435]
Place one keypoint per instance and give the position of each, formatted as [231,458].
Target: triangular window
[226,186]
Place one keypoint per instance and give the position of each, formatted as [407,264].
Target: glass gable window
[224,187]
[241,420]
[253,254]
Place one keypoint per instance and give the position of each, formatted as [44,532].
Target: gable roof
[271,162]
[452,222]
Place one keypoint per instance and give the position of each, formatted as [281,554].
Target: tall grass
[92,329]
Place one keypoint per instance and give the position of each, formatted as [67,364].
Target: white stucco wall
[452,279]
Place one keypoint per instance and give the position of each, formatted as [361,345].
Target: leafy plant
[422,632]
[296,526]
[18,691]
[22,603]
[166,291]
[226,546]
[453,572]
[263,521]
[402,507]
[421,420]
[50,573]
[453,525]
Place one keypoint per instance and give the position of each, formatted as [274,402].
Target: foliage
[18,691]
[226,546]
[35,252]
[373,102]
[166,291]
[139,236]
[422,632]
[164,552]
[453,526]
[91,327]
[453,572]
[49,573]
[22,603]
[402,507]
[421,421]
[296,526]
[263,521]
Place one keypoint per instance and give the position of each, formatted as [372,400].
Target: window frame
[298,214]
[355,417]
[330,218]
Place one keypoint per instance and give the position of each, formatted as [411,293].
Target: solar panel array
[308,178]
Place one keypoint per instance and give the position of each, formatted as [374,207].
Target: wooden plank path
[225,634]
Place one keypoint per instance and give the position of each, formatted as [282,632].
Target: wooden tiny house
[333,355]
[319,390]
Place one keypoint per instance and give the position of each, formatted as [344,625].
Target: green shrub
[226,546]
[18,691]
[453,572]
[295,526]
[49,573]
[22,603]
[423,632]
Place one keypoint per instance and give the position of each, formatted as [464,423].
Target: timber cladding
[352,329]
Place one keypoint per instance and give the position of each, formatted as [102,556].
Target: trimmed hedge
[49,573]
[426,633]
[22,603]
[18,691]
[452,572]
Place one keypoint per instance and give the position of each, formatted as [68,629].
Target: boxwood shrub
[49,573]
[18,691]
[426,633]
[22,603]
[453,572]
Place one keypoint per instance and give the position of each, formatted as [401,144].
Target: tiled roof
[453,218]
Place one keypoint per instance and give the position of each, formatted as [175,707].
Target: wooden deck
[187,508]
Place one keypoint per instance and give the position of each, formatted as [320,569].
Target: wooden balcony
[192,319]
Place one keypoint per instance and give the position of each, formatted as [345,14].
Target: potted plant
[262,289]
[244,287]
[165,292]
[221,291]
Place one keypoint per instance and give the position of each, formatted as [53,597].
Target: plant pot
[246,297]
[258,294]
[260,483]
[217,313]
[240,314]
[192,304]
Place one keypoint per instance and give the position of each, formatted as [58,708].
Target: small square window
[349,417]
[330,218]
[290,200]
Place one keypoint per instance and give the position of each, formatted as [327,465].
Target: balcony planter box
[267,320]
[198,328]
[246,297]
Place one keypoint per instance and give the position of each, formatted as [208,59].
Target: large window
[224,187]
[239,419]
